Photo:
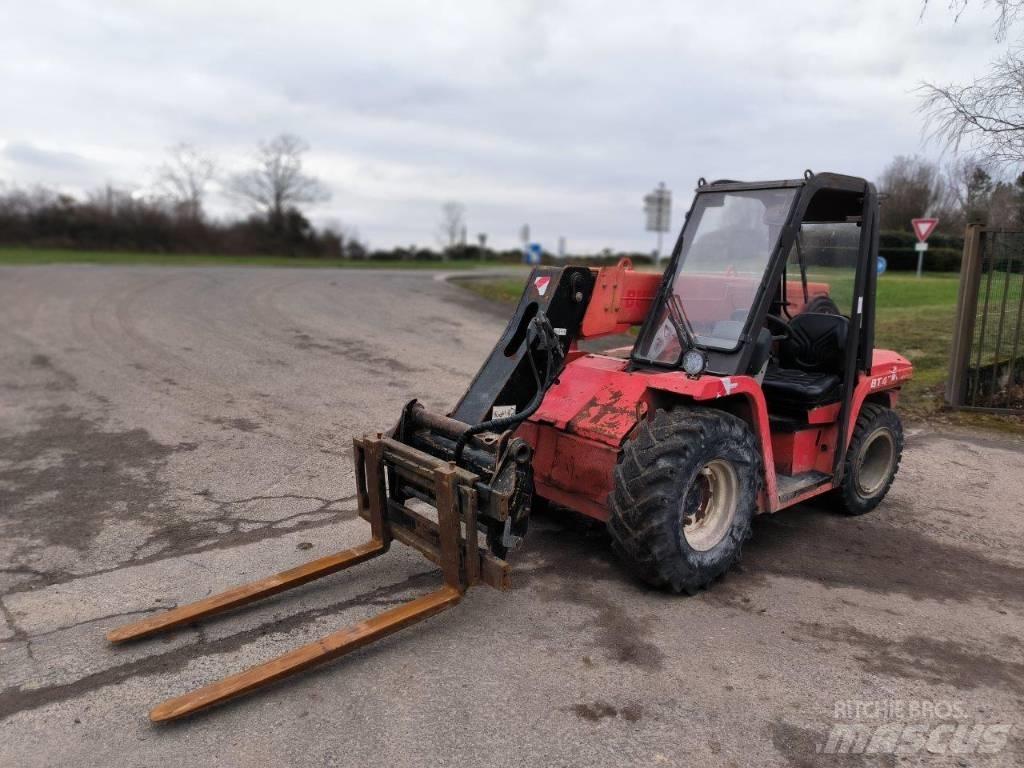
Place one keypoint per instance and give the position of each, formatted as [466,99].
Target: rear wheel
[872,459]
[686,489]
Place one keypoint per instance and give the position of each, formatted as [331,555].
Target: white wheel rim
[717,497]
[875,462]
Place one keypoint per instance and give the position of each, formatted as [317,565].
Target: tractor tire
[686,488]
[872,460]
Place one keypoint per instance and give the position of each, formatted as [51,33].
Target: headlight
[694,362]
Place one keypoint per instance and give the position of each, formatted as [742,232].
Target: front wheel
[686,488]
[872,460]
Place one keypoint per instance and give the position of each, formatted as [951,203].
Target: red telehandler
[749,389]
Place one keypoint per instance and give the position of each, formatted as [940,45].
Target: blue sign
[882,264]
[533,253]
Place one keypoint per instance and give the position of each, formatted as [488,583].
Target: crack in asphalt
[14,700]
[18,634]
[223,508]
[120,615]
[236,537]
[24,570]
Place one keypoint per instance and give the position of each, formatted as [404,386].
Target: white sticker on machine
[503,411]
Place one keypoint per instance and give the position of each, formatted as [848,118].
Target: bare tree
[1007,12]
[110,200]
[970,183]
[453,222]
[278,182]
[913,187]
[1003,206]
[967,190]
[983,196]
[987,114]
[184,177]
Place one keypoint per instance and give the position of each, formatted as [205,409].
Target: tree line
[966,190]
[170,215]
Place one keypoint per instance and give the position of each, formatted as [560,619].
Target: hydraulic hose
[540,331]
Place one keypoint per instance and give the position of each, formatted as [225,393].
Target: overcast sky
[559,114]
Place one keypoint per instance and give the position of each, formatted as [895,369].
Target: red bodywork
[579,429]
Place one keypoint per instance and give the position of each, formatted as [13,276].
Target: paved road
[168,432]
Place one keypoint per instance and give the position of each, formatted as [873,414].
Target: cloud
[560,114]
[29,161]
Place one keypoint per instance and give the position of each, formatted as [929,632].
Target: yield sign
[923,228]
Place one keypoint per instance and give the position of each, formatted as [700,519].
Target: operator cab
[775,281]
[764,281]
[810,318]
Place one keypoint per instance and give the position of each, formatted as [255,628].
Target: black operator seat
[810,366]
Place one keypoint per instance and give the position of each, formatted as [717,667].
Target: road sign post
[922,228]
[658,209]
[524,238]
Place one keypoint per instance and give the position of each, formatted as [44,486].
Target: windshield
[727,242]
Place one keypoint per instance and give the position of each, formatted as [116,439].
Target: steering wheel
[779,325]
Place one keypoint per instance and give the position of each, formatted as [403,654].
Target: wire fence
[987,364]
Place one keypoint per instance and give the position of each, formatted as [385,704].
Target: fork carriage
[389,476]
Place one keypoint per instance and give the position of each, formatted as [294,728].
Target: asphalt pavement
[169,432]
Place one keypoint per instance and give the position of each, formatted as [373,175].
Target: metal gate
[986,368]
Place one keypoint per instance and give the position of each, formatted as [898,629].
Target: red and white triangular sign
[923,227]
[541,283]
